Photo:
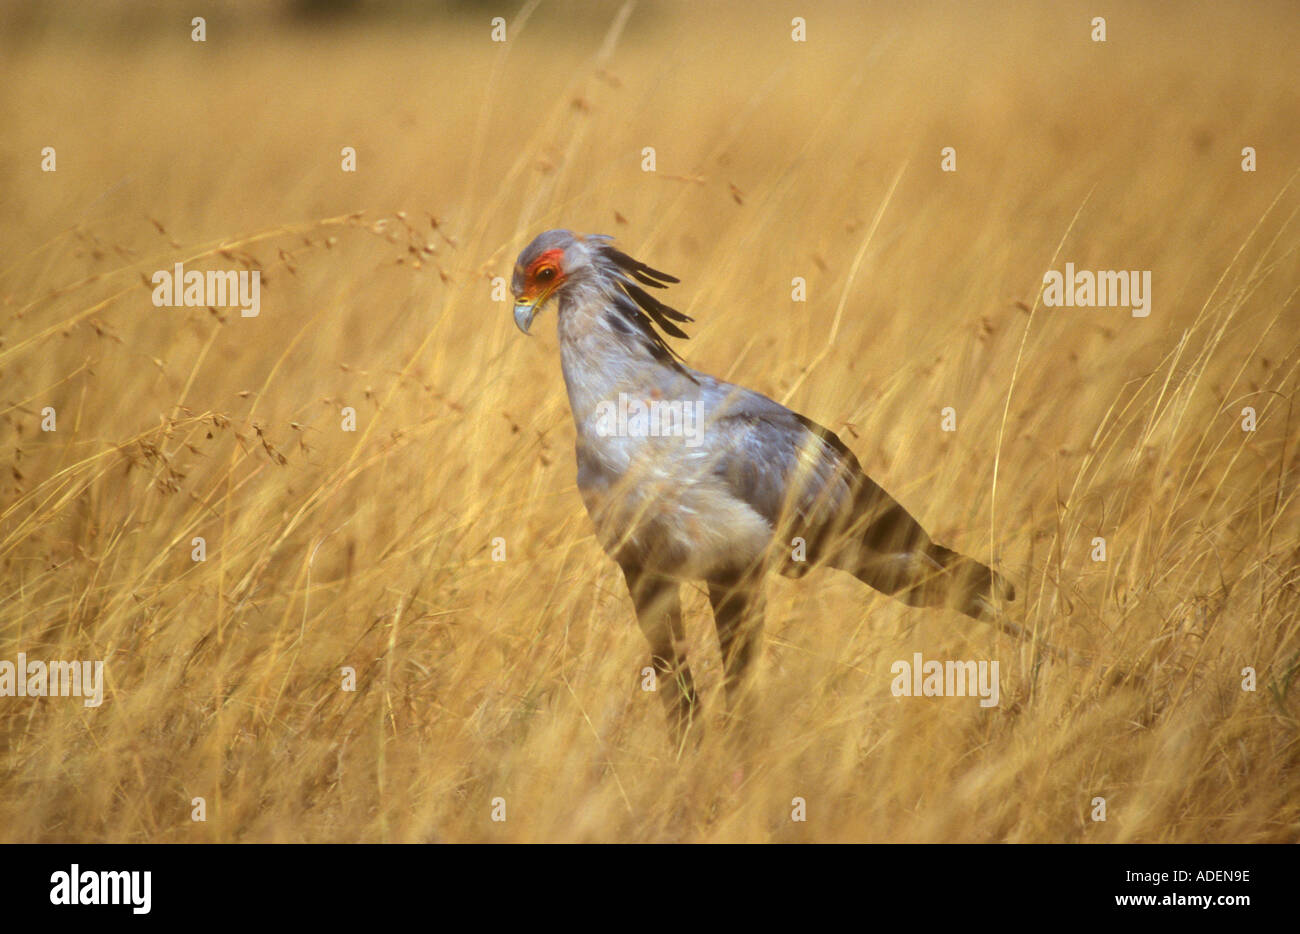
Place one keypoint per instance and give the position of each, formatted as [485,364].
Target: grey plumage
[729,507]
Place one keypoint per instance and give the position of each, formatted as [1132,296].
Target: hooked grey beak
[524,313]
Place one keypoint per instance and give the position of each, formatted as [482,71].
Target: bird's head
[554,261]
[560,261]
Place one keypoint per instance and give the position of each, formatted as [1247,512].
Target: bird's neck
[602,357]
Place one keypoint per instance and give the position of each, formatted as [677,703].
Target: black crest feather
[657,310]
[639,270]
[641,308]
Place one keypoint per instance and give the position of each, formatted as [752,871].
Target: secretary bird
[757,487]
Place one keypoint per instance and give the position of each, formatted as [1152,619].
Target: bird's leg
[659,613]
[738,606]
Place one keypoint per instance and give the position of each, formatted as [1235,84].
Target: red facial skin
[534,287]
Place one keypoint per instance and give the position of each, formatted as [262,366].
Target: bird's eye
[545,274]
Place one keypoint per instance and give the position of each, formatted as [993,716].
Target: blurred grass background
[520,679]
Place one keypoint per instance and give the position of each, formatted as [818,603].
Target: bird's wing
[802,478]
[808,485]
[780,463]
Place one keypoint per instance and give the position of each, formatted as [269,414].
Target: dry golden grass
[519,679]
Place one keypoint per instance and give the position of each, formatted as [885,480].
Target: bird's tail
[886,548]
[895,555]
[973,583]
[926,574]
